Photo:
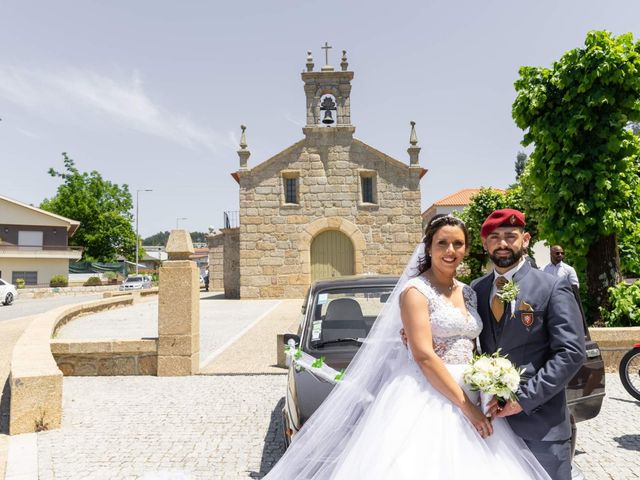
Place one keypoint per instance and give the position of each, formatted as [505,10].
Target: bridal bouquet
[492,375]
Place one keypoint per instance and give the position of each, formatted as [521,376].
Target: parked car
[338,313]
[8,292]
[136,282]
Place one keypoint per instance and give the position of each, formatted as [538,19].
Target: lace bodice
[453,332]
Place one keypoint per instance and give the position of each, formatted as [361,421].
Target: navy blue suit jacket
[551,349]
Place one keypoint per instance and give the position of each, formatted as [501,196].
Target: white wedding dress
[413,432]
[384,420]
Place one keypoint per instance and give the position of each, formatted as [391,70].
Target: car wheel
[8,300]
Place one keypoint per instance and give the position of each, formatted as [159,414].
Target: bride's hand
[479,421]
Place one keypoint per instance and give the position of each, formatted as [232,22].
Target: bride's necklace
[440,287]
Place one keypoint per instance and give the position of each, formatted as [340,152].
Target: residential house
[34,243]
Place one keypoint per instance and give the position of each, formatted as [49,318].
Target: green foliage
[482,204]
[521,163]
[59,281]
[584,170]
[198,237]
[19,282]
[625,306]
[102,208]
[111,276]
[318,362]
[93,282]
[161,238]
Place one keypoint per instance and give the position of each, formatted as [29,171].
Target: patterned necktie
[497,305]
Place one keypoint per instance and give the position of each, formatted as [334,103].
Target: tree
[521,163]
[161,238]
[102,208]
[584,170]
[480,207]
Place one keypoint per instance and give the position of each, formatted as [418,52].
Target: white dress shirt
[561,269]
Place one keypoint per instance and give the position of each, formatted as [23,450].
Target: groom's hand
[512,407]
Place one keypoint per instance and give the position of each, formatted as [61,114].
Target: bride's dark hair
[435,224]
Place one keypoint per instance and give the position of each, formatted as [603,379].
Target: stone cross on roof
[327,67]
[326,52]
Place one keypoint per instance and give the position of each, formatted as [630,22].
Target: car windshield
[346,315]
[134,279]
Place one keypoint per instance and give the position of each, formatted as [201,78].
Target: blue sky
[151,93]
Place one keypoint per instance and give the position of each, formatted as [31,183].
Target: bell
[328,120]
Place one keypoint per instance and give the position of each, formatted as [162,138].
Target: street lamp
[137,217]
[178,221]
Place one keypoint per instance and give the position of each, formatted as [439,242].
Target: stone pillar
[179,309]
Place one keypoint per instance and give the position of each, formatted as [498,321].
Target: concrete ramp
[255,351]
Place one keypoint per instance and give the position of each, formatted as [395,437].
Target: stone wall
[275,237]
[231,263]
[216,262]
[105,358]
[614,343]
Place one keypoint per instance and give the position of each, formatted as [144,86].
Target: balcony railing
[231,219]
[8,248]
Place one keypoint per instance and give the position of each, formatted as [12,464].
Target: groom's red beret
[507,217]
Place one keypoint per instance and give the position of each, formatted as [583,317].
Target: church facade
[328,205]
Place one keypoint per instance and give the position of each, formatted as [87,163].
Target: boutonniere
[509,292]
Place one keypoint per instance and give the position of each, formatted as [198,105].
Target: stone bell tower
[328,94]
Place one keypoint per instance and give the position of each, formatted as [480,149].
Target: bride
[404,413]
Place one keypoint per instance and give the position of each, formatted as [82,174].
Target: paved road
[31,306]
[228,427]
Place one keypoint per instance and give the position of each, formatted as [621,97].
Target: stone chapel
[326,206]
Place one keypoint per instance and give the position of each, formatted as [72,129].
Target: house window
[30,278]
[291,193]
[291,187]
[368,184]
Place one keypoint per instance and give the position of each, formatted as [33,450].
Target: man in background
[558,268]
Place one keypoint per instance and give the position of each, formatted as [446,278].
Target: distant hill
[161,238]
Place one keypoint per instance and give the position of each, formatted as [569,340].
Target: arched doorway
[331,255]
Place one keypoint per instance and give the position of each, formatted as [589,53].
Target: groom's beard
[504,262]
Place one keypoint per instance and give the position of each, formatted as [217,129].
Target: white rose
[512,380]
[480,379]
[483,364]
[503,363]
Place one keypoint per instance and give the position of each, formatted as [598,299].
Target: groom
[540,330]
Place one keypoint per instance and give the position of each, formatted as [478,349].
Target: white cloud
[75,93]
[28,133]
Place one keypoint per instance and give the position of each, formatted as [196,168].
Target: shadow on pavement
[273,442]
[4,408]
[629,442]
[215,296]
[625,400]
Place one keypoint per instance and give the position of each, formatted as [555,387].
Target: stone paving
[608,446]
[228,427]
[201,427]
[220,321]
